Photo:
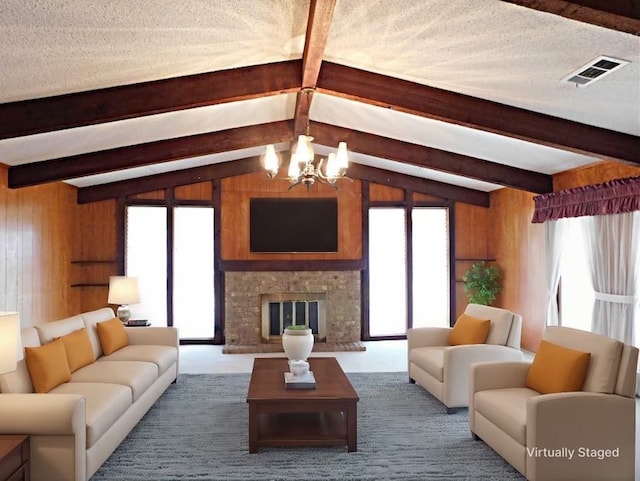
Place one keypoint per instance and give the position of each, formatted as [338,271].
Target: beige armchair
[585,435]
[443,369]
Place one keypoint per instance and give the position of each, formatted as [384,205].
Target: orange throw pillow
[557,369]
[78,348]
[112,335]
[469,330]
[47,366]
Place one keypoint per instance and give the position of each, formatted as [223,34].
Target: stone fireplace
[329,300]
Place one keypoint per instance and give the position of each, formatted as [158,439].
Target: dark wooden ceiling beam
[416,184]
[150,153]
[431,158]
[176,178]
[105,105]
[318,25]
[623,16]
[425,101]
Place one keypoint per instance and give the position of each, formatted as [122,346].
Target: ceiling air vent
[595,70]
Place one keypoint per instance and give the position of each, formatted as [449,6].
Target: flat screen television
[293,225]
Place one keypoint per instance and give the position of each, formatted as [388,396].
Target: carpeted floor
[197,431]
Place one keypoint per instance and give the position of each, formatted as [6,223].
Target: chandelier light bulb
[294,167]
[342,157]
[270,160]
[332,166]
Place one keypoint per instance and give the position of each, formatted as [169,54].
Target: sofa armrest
[427,336]
[587,423]
[155,336]
[457,362]
[42,414]
[498,375]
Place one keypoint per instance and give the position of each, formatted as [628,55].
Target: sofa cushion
[47,365]
[162,356]
[105,404]
[90,319]
[557,369]
[78,348]
[501,320]
[54,329]
[605,355]
[137,375]
[469,330]
[429,359]
[507,409]
[113,335]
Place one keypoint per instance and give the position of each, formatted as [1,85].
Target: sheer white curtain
[554,235]
[613,242]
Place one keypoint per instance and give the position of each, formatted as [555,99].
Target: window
[146,259]
[193,290]
[387,272]
[191,262]
[430,260]
[389,259]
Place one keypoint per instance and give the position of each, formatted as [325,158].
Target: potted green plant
[482,283]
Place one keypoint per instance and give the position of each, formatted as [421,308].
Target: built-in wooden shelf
[487,259]
[91,261]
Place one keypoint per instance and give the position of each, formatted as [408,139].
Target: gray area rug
[198,431]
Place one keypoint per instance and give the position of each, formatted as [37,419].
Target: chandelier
[302,167]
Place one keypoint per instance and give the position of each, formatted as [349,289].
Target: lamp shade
[123,290]
[10,344]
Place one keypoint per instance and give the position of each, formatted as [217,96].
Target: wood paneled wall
[236,192]
[96,256]
[518,247]
[593,174]
[38,231]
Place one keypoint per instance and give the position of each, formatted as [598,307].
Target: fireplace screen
[280,311]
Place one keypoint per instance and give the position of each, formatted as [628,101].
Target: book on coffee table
[306,381]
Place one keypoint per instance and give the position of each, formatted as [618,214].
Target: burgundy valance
[613,197]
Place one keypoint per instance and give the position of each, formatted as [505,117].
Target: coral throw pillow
[112,335]
[557,369]
[47,366]
[78,348]
[469,330]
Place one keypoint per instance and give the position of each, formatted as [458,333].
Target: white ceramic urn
[297,343]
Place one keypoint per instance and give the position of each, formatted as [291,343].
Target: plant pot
[297,343]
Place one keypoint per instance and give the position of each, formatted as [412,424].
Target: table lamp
[124,291]
[10,344]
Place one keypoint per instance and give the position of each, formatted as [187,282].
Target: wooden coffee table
[323,416]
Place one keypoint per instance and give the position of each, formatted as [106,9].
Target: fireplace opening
[280,311]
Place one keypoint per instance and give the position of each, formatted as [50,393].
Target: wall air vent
[595,70]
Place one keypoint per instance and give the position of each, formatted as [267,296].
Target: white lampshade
[123,290]
[10,343]
[342,157]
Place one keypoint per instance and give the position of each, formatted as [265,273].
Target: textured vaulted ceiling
[486,49]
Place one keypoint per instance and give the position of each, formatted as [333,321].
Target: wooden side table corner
[14,458]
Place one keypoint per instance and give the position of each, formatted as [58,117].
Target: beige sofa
[76,426]
[443,370]
[581,436]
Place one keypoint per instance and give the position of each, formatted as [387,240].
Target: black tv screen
[293,225]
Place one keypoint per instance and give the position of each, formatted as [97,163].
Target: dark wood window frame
[407,204]
[170,202]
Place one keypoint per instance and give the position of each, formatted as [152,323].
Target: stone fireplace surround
[243,307]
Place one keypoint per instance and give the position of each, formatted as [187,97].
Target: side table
[14,458]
